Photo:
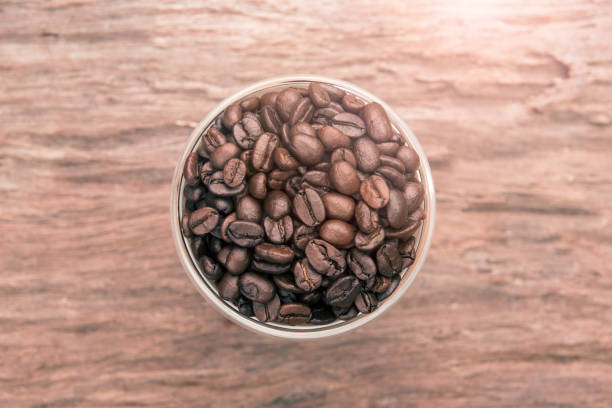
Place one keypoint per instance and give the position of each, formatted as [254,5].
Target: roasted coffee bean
[185,224]
[278,178]
[306,278]
[342,292]
[367,154]
[407,251]
[287,297]
[193,193]
[388,260]
[338,232]
[371,241]
[322,315]
[377,122]
[303,235]
[277,204]
[269,268]
[396,209]
[251,123]
[249,209]
[284,160]
[343,154]
[268,99]
[217,186]
[317,178]
[409,157]
[394,163]
[234,172]
[395,178]
[344,177]
[231,115]
[278,231]
[381,284]
[245,233]
[375,192]
[352,104]
[293,186]
[228,287]
[191,171]
[242,137]
[311,298]
[280,254]
[258,186]
[224,153]
[349,124]
[321,191]
[307,149]
[213,139]
[325,258]
[294,314]
[346,313]
[413,193]
[410,228]
[366,302]
[286,101]
[335,93]
[394,283]
[302,111]
[286,282]
[212,245]
[263,150]
[339,206]
[388,148]
[366,218]
[224,205]
[235,259]
[206,170]
[224,224]
[270,120]
[267,312]
[204,220]
[361,264]
[250,103]
[309,208]
[209,268]
[318,95]
[332,138]
[256,287]
[302,128]
[245,306]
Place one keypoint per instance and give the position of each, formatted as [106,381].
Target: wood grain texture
[510,99]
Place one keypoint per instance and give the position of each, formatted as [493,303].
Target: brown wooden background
[512,101]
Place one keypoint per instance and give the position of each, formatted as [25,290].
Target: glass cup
[208,289]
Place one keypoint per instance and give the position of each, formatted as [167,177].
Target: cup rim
[207,290]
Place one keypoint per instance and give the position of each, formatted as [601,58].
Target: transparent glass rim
[207,289]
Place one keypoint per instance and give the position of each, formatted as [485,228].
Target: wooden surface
[510,99]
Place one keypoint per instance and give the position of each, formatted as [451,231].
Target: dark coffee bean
[311,298]
[278,178]
[224,205]
[361,264]
[206,170]
[306,278]
[278,231]
[269,268]
[263,152]
[284,160]
[338,232]
[193,193]
[388,148]
[319,96]
[396,211]
[407,251]
[343,154]
[381,284]
[322,315]
[250,103]
[286,282]
[294,314]
[317,178]
[287,297]
[224,153]
[191,171]
[280,254]
[249,209]
[349,124]
[302,128]
[309,208]
[235,259]
[293,186]
[393,162]
[342,292]
[199,246]
[258,186]
[232,114]
[366,302]
[241,137]
[307,149]
[346,313]
[267,312]
[388,260]
[321,191]
[228,287]
[375,192]
[371,241]
[204,220]
[285,102]
[377,122]
[302,111]
[277,204]
[409,157]
[339,206]
[413,193]
[411,227]
[209,268]
[256,287]
[325,258]
[213,245]
[332,138]
[395,281]
[335,93]
[367,154]
[251,123]
[245,233]
[367,218]
[344,177]
[391,174]
[268,99]
[185,224]
[270,120]
[224,224]
[234,172]
[213,139]
[245,306]
[217,186]
[324,116]
[352,104]
[323,166]
[303,235]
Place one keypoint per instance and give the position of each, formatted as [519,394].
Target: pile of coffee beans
[302,205]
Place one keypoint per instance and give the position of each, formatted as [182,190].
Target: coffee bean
[247,131]
[388,148]
[204,220]
[352,104]
[217,186]
[269,268]
[278,231]
[346,313]
[285,102]
[395,178]
[342,292]
[307,149]
[234,172]
[396,210]
[245,156]
[335,93]
[185,224]
[191,171]
[311,298]
[293,186]
[267,312]
[407,251]
[339,206]
[367,154]
[193,193]
[381,284]
[361,264]
[250,104]
[302,128]
[409,157]
[268,99]
[309,208]
[349,124]
[277,204]
[375,192]
[317,178]
[366,302]
[294,314]
[224,153]
[278,178]
[303,235]
[256,287]
[377,122]
[306,278]
[337,232]
[231,115]
[286,282]
[395,281]
[371,241]
[332,138]
[318,95]
[302,111]
[322,315]
[280,254]
[270,120]
[388,260]
[413,193]
[344,177]
[343,154]
[235,259]
[249,209]
[263,152]
[225,224]
[212,245]
[284,160]
[228,287]
[325,258]
[366,218]
[258,186]
[393,162]
[245,306]
[245,233]
[209,268]
[414,222]
[213,139]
